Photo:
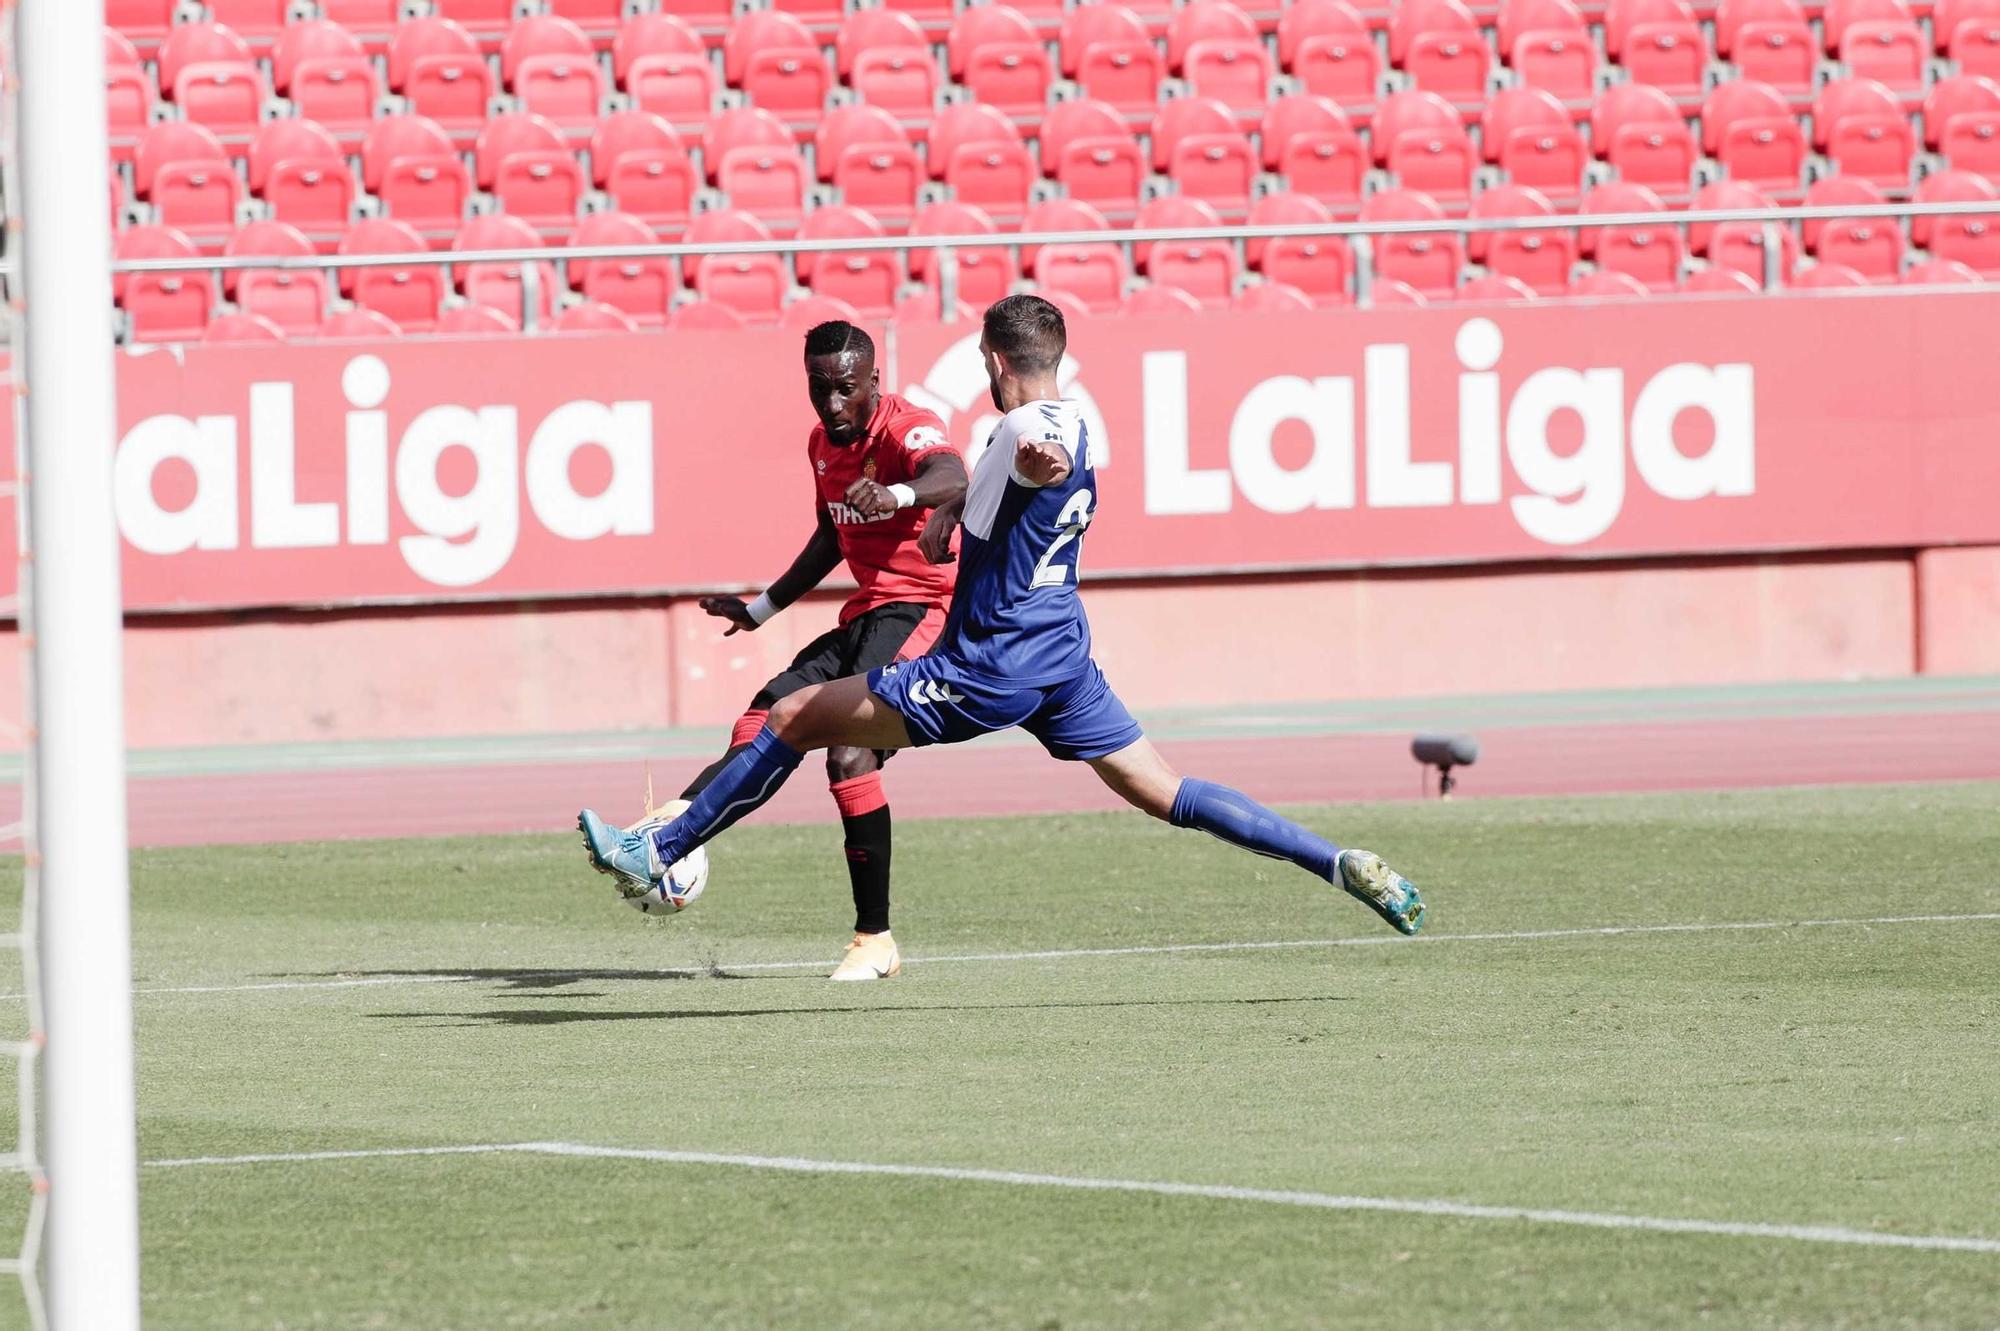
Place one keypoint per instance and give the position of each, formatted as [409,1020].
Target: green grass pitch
[1833,1074]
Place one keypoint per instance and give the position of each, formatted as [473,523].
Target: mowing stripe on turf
[1061,954]
[1869,1238]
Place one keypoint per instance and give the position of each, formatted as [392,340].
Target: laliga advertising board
[430,471]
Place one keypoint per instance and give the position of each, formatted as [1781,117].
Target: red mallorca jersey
[882,554]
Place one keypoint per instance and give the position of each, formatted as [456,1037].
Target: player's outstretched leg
[1138,773]
[841,712]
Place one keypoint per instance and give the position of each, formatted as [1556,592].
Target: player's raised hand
[934,541]
[870,498]
[733,609]
[1040,464]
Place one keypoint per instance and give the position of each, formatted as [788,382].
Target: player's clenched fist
[1040,464]
[733,609]
[871,499]
[934,542]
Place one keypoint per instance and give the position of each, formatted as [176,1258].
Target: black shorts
[871,639]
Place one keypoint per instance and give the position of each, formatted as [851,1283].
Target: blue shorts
[1077,718]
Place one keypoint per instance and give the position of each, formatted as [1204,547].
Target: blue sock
[742,787]
[1232,816]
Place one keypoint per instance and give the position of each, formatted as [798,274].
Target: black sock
[868,868]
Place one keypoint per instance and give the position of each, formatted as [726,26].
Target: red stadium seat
[506,136]
[1014,76]
[1284,208]
[1842,15]
[324,71]
[1604,283]
[1307,19]
[1861,127]
[372,22]
[1671,55]
[1232,70]
[1058,215]
[1827,276]
[866,279]
[1271,298]
[294,300]
[1539,259]
[790,80]
[1872,247]
[1562,61]
[357,324]
[1125,74]
[875,30]
[1218,169]
[983,25]
[1407,112]
[883,178]
[540,35]
[1750,129]
[599,19]
[172,141]
[638,160]
[1205,20]
[227,96]
[844,127]
[1340,65]
[263,238]
[147,242]
[1973,241]
[400,136]
[1408,20]
[200,44]
[1090,25]
[184,173]
[1160,300]
[1940,272]
[740,127]
[1733,17]
[1720,282]
[1971,142]
[1549,157]
[768,180]
[1389,292]
[168,307]
[641,290]
[1439,161]
[544,188]
[476,321]
[303,183]
[1891,50]
[1173,211]
[1975,45]
[707,316]
[674,84]
[1963,94]
[1947,16]
[813,309]
[1650,255]
[1622,17]
[1518,18]
[1742,246]
[1829,192]
[984,275]
[241,327]
[408,296]
[1449,59]
[650,34]
[1495,287]
[258,21]
[625,132]
[1181,117]
[959,125]
[129,95]
[1086,147]
[719,226]
[429,193]
[753,285]
[897,79]
[592,317]
[1317,153]
[1512,109]
[1093,274]
[290,140]
[1721,194]
[1427,262]
[452,89]
[567,89]
[420,39]
[1321,267]
[503,286]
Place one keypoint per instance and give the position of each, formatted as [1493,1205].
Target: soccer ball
[684,881]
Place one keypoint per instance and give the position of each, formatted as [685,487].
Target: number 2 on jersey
[1075,516]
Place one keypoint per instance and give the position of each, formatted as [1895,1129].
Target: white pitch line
[1062,954]
[1323,1201]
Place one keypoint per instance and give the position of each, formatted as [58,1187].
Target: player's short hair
[836,337]
[1028,331]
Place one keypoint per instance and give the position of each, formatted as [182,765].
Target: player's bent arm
[819,558]
[940,480]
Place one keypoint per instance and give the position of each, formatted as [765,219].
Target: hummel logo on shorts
[929,690]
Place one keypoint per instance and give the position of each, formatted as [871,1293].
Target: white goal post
[72,629]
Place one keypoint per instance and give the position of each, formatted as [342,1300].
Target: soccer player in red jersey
[880,467]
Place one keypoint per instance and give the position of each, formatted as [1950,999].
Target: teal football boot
[626,856]
[1382,890]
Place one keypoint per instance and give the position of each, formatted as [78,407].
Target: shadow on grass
[531,977]
[561,1017]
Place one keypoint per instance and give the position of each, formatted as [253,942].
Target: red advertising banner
[435,471]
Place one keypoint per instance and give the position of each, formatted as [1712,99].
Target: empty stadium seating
[364,124]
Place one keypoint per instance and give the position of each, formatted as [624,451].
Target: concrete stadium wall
[610,665]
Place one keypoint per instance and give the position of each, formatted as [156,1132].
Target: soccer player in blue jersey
[1015,651]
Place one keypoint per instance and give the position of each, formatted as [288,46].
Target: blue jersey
[1016,617]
